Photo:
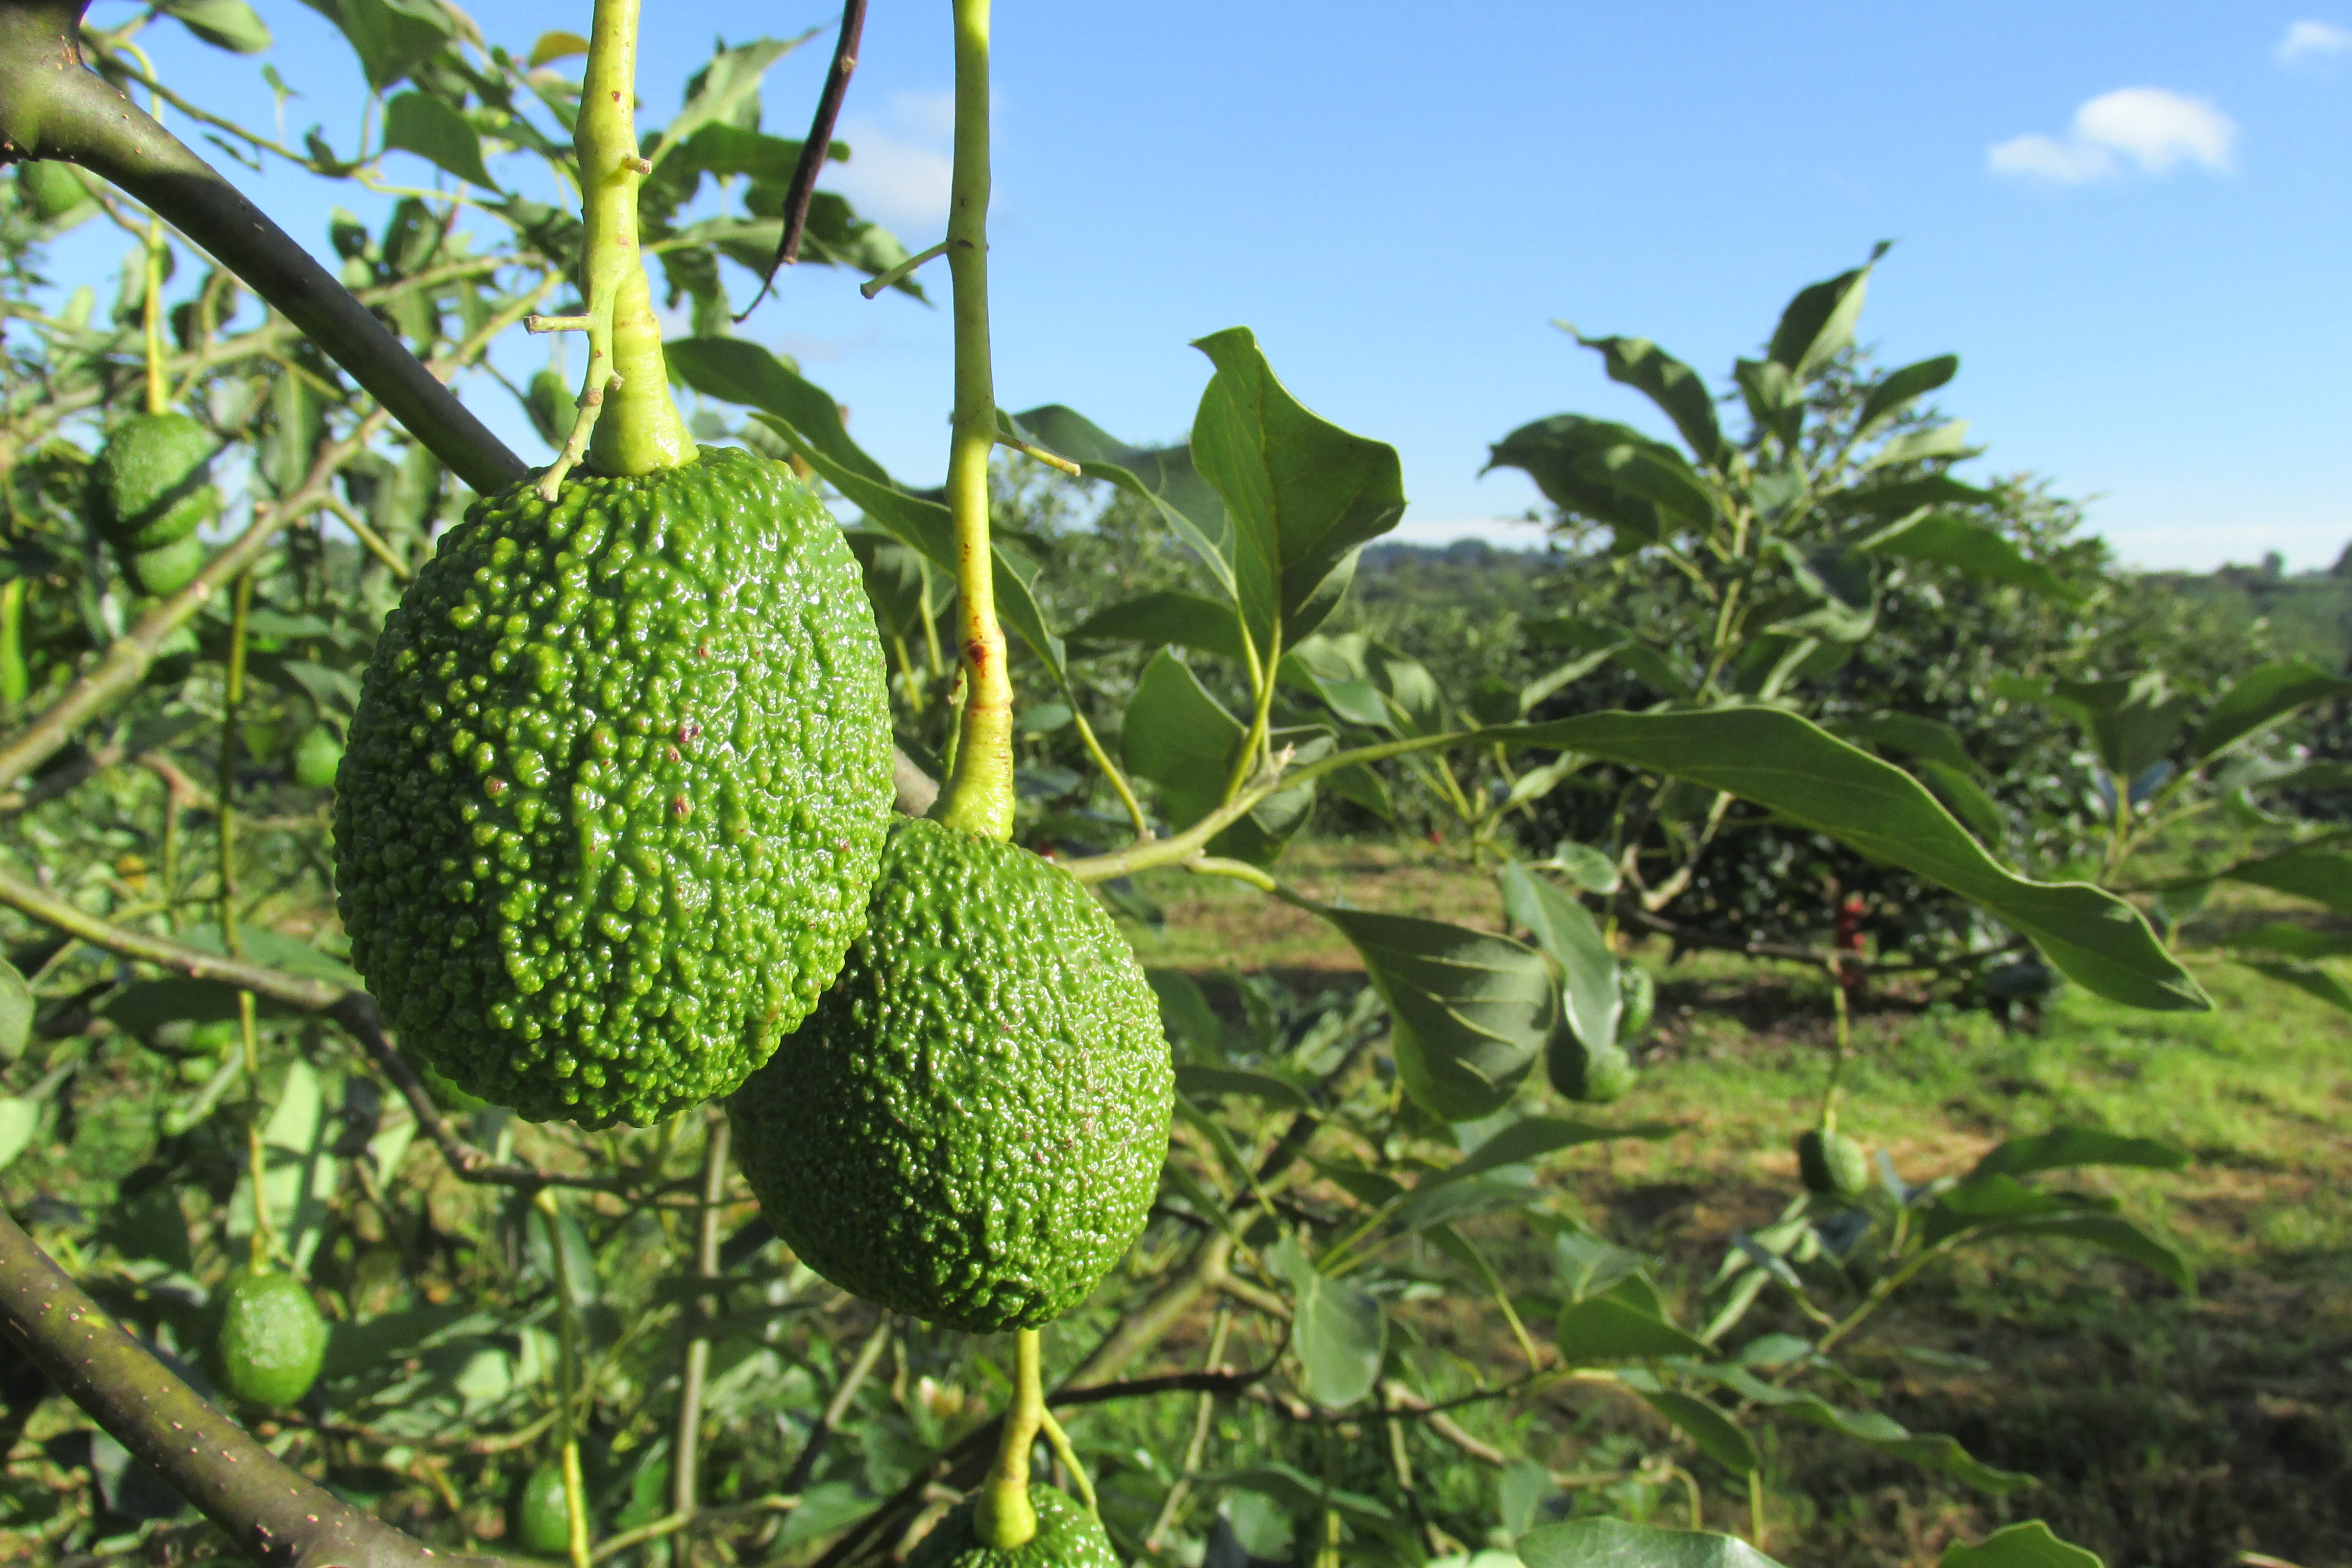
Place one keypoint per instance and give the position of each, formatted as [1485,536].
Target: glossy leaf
[1164,476]
[1338,1331]
[1717,1436]
[2027,1545]
[1680,392]
[1974,548]
[1606,1329]
[419,124]
[391,37]
[1615,1543]
[2065,1148]
[1781,762]
[1565,931]
[2260,699]
[1819,321]
[1168,616]
[1900,387]
[1932,1451]
[2323,876]
[230,25]
[1470,1012]
[724,87]
[1181,738]
[1302,494]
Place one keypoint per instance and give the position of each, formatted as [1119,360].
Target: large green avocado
[1068,1536]
[613,801]
[970,1127]
[152,485]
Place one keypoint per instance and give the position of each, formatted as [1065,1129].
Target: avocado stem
[257,1155]
[1004,1518]
[978,798]
[628,423]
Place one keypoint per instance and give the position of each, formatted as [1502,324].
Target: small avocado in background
[151,484]
[1068,1536]
[971,1127]
[1831,1164]
[54,191]
[166,569]
[1637,1003]
[541,1520]
[272,1339]
[317,755]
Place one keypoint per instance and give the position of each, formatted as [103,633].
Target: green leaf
[2287,940]
[2132,722]
[1179,736]
[1532,1137]
[230,25]
[1950,439]
[1791,766]
[2308,978]
[2260,699]
[1606,1329]
[19,1119]
[1974,548]
[1166,615]
[1566,930]
[1614,1543]
[1302,494]
[556,46]
[2027,1545]
[18,1006]
[1931,1451]
[2110,1233]
[1892,390]
[1894,498]
[415,123]
[2063,1148]
[731,78]
[2323,876]
[1661,475]
[1819,321]
[1185,1012]
[1164,476]
[1705,1424]
[1678,390]
[391,37]
[1470,1012]
[300,1172]
[1339,1331]
[1908,732]
[1585,867]
[1199,1082]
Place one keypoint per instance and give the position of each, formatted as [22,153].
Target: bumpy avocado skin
[272,1340]
[970,1126]
[613,801]
[1067,1537]
[151,484]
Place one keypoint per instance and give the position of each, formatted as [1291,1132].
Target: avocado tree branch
[53,106]
[1184,848]
[271,1512]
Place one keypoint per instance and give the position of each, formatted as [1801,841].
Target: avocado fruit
[317,755]
[1068,1536]
[166,569]
[611,802]
[272,1339]
[1832,1165]
[970,1126]
[151,484]
[541,1517]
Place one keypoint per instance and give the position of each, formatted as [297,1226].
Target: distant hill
[2310,613]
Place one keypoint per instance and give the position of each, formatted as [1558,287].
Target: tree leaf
[2063,1148]
[1614,1543]
[1950,439]
[2027,1545]
[1164,476]
[2260,699]
[2323,876]
[230,25]
[1302,494]
[419,124]
[1819,321]
[391,37]
[1552,452]
[1717,1436]
[1608,1329]
[19,1119]
[1897,388]
[731,76]
[556,46]
[1198,1081]
[2281,937]
[1339,1331]
[1566,930]
[1166,615]
[1783,763]
[1932,1451]
[2307,978]
[1531,1138]
[18,1006]
[1680,392]
[1974,548]
[1179,736]
[2110,1233]
[1470,1012]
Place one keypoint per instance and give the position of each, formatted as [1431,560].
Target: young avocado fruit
[165,570]
[52,190]
[1068,1536]
[271,1341]
[151,484]
[970,1127]
[542,1519]
[317,755]
[614,794]
[1831,1164]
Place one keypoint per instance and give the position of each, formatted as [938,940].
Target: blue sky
[2131,222]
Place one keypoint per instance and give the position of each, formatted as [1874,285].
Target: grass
[2165,1429]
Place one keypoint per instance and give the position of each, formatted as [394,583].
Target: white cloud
[900,166]
[2146,127]
[2308,42]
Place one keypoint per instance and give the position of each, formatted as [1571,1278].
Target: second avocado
[970,1127]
